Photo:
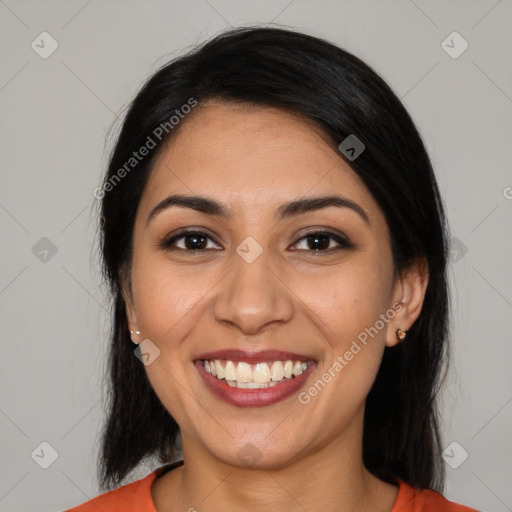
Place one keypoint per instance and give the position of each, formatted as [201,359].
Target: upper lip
[253,357]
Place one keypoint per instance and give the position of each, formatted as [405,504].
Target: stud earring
[401,334]
[131,335]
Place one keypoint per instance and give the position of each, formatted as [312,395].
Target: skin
[254,159]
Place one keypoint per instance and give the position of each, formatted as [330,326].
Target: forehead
[245,154]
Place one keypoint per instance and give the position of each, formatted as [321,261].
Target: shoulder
[135,496]
[411,499]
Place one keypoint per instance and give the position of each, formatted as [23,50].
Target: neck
[327,478]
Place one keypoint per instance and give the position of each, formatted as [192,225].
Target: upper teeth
[260,373]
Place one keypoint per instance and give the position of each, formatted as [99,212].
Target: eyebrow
[287,210]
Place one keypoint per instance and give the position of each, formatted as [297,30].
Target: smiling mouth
[254,376]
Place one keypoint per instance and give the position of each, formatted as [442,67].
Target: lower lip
[253,397]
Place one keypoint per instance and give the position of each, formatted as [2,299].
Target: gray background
[55,117]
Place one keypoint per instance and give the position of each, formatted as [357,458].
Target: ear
[408,295]
[131,314]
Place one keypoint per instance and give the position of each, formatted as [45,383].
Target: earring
[137,333]
[401,334]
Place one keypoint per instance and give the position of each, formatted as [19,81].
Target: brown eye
[323,241]
[192,241]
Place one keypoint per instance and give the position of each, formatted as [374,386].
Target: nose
[253,295]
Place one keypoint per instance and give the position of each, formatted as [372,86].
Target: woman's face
[251,281]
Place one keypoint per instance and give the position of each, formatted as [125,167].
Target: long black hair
[316,79]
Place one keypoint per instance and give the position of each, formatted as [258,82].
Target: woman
[275,243]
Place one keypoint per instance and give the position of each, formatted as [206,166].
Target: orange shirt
[136,497]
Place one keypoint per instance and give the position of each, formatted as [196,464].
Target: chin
[257,453]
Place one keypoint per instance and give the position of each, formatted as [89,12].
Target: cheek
[167,305]
[348,309]
[348,313]
[168,302]
[350,301]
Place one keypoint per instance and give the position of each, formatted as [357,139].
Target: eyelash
[167,244]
